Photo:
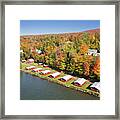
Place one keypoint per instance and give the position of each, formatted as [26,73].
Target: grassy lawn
[56,80]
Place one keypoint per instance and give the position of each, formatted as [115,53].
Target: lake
[34,88]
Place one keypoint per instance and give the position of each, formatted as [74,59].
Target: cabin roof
[30,67]
[30,59]
[96,85]
[92,50]
[37,69]
[67,77]
[45,71]
[80,81]
[40,63]
[55,74]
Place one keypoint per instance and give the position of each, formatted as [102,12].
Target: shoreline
[77,88]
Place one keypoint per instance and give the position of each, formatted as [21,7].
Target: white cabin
[92,51]
[54,75]
[30,67]
[66,78]
[30,60]
[80,81]
[45,72]
[37,70]
[96,85]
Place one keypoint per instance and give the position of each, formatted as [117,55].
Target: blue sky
[30,27]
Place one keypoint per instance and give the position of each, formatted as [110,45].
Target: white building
[38,51]
[45,72]
[66,78]
[96,54]
[40,63]
[30,67]
[23,60]
[92,51]
[95,86]
[30,60]
[54,75]
[37,70]
[45,65]
[21,51]
[80,81]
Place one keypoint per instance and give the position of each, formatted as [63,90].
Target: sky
[33,27]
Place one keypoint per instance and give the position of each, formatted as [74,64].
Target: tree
[96,67]
[67,52]
[86,68]
[84,49]
[86,38]
[95,41]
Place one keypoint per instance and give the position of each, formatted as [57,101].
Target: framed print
[60,59]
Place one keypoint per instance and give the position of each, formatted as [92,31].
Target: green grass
[56,80]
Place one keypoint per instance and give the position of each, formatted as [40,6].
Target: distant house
[40,63]
[30,60]
[37,70]
[21,51]
[54,75]
[23,60]
[92,51]
[45,72]
[95,86]
[66,78]
[39,51]
[80,81]
[30,68]
[96,54]
[45,65]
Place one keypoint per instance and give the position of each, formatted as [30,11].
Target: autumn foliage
[96,68]
[66,52]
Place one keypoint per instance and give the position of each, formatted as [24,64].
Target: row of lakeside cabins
[79,82]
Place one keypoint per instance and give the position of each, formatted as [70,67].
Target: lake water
[34,88]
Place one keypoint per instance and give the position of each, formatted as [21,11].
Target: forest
[67,52]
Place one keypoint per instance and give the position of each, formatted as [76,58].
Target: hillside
[68,52]
[91,32]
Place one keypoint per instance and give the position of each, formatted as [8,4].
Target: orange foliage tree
[96,68]
[86,68]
